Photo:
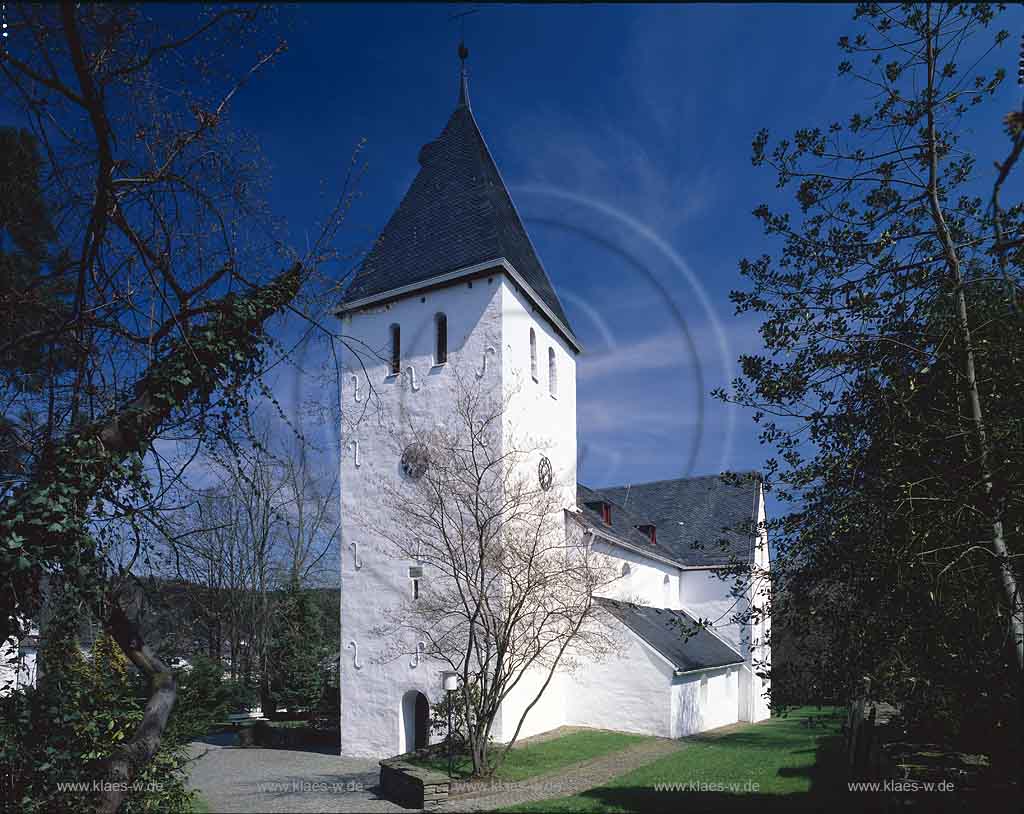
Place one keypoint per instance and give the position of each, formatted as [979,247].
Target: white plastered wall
[629,691]
[704,595]
[488,333]
[645,584]
[371,695]
[545,422]
[696,708]
[549,712]
[535,417]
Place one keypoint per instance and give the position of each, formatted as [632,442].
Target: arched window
[441,343]
[533,354]
[396,350]
[625,569]
[552,373]
[667,583]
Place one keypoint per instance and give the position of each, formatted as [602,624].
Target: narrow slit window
[415,589]
[552,373]
[533,354]
[396,350]
[441,344]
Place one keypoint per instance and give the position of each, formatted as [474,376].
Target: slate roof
[701,521]
[457,213]
[623,525]
[667,631]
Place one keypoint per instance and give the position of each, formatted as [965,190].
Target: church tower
[452,286]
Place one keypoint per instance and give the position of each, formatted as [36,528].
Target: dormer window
[441,339]
[650,531]
[533,354]
[396,350]
[603,508]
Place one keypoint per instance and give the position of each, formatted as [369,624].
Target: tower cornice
[500,264]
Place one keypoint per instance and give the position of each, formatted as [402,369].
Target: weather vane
[461,17]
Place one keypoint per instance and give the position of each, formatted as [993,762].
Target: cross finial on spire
[463,76]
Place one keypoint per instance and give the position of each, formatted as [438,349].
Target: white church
[454,284]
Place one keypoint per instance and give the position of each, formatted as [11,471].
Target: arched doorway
[415,721]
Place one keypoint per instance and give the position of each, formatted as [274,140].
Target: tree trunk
[1004,565]
[480,757]
[124,765]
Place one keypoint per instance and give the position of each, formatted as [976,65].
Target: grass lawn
[199,805]
[529,760]
[779,764]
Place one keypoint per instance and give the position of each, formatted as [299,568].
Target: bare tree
[268,521]
[508,588]
[311,523]
[209,562]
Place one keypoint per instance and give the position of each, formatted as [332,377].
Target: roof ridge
[688,478]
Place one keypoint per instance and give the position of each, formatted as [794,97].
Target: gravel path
[567,781]
[231,779]
[286,780]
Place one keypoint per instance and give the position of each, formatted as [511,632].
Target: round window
[415,461]
[545,474]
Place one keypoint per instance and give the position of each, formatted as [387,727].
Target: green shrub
[297,650]
[439,715]
[206,698]
[61,732]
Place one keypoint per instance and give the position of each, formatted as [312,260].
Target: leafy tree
[297,650]
[890,379]
[29,298]
[460,724]
[205,698]
[84,708]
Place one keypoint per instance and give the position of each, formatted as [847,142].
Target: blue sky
[624,135]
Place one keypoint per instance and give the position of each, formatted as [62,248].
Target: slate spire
[457,213]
